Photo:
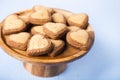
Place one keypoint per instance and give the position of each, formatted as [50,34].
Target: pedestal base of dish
[43,70]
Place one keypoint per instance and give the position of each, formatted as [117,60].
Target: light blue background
[103,60]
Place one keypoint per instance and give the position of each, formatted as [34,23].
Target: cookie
[18,41]
[63,12]
[40,17]
[80,20]
[13,24]
[58,47]
[39,45]
[39,7]
[73,28]
[24,15]
[58,18]
[78,39]
[38,30]
[55,30]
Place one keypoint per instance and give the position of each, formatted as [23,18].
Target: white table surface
[103,60]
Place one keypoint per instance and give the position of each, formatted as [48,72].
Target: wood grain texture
[46,66]
[44,70]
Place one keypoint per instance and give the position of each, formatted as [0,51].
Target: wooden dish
[46,66]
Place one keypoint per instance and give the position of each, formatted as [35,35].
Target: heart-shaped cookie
[40,17]
[24,15]
[58,18]
[39,45]
[55,30]
[39,7]
[38,30]
[80,20]
[63,12]
[19,40]
[13,24]
[78,39]
[58,47]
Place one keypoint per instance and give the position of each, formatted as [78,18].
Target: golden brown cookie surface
[80,20]
[39,45]
[55,30]
[38,30]
[73,28]
[38,7]
[24,15]
[19,40]
[58,18]
[78,39]
[13,24]
[40,17]
[58,47]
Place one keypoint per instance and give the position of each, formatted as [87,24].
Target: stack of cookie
[42,30]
